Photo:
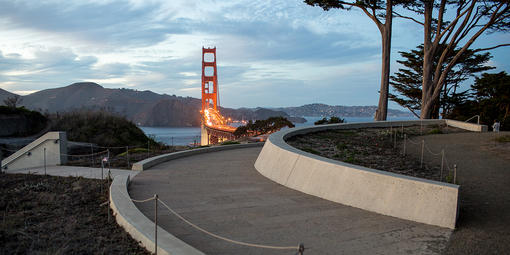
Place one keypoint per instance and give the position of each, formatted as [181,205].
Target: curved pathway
[223,193]
[484,176]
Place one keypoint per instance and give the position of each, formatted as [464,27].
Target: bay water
[190,135]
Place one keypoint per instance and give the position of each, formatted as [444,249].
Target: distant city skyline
[270,53]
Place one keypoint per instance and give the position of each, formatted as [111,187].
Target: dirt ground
[59,215]
[377,148]
[483,161]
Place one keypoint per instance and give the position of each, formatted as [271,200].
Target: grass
[503,139]
[134,150]
[435,131]
[341,146]
[310,150]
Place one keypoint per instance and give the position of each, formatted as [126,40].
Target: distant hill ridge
[144,108]
[323,110]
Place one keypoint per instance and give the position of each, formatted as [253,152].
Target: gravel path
[483,226]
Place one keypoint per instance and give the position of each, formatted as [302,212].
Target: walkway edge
[139,226]
[150,162]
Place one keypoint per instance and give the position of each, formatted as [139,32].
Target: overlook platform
[223,193]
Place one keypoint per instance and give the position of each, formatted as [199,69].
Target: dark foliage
[489,98]
[260,127]
[331,120]
[407,82]
[99,127]
[33,121]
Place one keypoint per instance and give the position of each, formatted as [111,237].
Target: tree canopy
[407,82]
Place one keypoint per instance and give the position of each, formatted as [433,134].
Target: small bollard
[301,249]
[455,174]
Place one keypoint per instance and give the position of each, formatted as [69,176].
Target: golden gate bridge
[214,127]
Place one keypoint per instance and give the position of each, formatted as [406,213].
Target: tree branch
[406,17]
[491,48]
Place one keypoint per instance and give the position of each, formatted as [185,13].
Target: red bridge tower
[209,83]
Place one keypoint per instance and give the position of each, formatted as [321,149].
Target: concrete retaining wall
[401,196]
[150,162]
[139,226]
[32,155]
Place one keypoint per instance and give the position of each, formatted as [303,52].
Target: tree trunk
[427,101]
[382,108]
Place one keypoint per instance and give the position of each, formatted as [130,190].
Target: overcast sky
[270,53]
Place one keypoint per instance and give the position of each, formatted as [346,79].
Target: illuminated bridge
[214,127]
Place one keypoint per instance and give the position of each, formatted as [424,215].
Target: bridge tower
[209,83]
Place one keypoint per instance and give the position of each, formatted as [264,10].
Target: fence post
[405,138]
[422,148]
[92,155]
[395,139]
[44,161]
[455,174]
[402,130]
[156,225]
[442,165]
[301,249]
[127,156]
[148,148]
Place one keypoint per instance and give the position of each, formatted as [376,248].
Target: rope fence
[424,150]
[299,248]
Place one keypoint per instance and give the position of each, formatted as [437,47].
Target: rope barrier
[142,201]
[428,149]
[298,248]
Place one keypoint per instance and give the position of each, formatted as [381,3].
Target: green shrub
[341,146]
[310,150]
[503,139]
[435,131]
[102,128]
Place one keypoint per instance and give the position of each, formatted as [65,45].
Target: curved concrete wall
[150,162]
[139,226]
[401,196]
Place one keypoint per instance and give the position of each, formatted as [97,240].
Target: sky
[269,53]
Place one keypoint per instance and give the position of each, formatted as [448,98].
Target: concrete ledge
[401,196]
[150,162]
[139,226]
[466,125]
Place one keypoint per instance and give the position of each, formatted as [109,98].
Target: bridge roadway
[223,193]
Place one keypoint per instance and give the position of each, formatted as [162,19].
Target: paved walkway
[75,171]
[483,172]
[223,193]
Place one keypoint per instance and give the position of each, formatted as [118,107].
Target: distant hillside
[4,94]
[144,108]
[319,110]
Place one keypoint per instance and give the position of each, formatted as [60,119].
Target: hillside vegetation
[18,121]
[99,127]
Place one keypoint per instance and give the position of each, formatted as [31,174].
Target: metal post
[156,225]
[455,174]
[44,161]
[127,156]
[442,165]
[422,148]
